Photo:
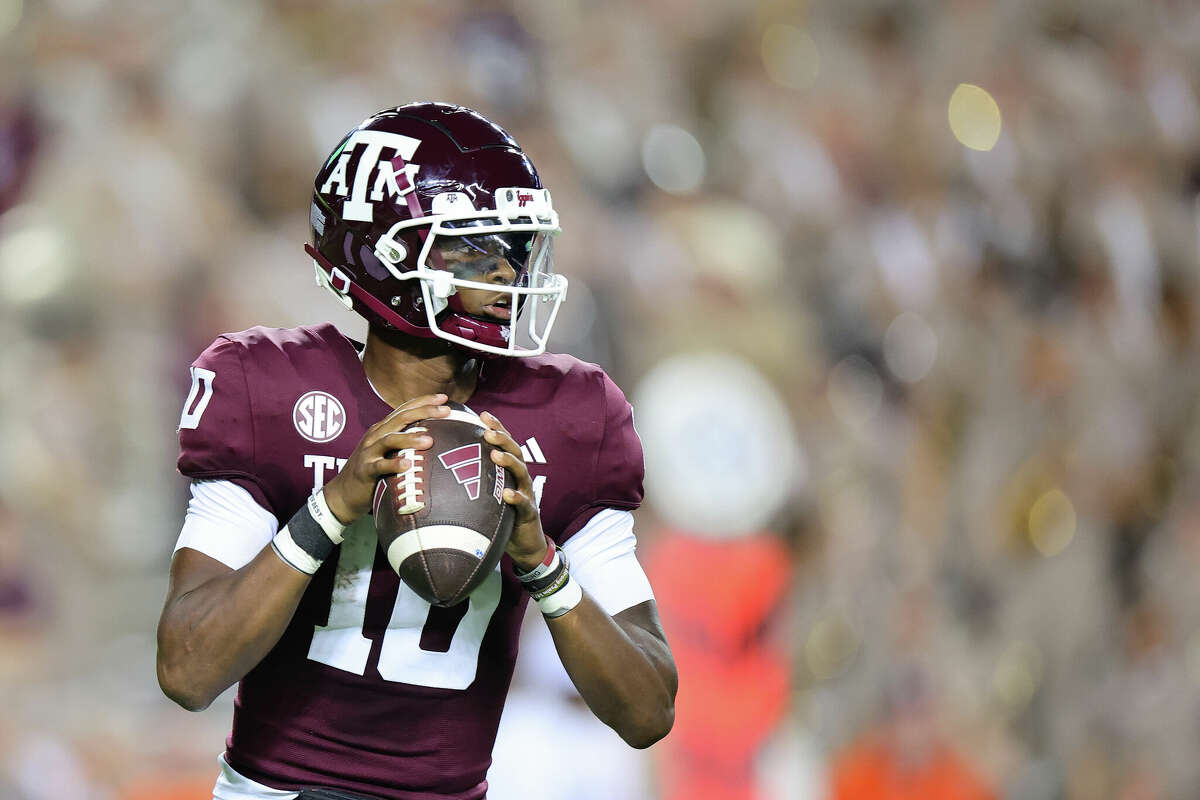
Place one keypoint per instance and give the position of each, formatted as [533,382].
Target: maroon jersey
[371,689]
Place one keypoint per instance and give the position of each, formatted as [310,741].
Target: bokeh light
[673,159]
[1017,675]
[1052,523]
[733,242]
[33,263]
[910,347]
[831,646]
[974,117]
[597,135]
[790,56]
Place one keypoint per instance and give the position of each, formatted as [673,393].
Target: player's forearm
[210,636]
[626,675]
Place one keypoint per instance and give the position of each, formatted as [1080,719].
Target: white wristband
[541,570]
[319,508]
[561,601]
[292,554]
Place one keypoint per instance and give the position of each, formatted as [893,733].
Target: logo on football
[466,463]
[442,534]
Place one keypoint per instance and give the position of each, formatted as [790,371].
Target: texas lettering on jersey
[371,689]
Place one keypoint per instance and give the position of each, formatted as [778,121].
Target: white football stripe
[430,537]
[535,450]
[464,416]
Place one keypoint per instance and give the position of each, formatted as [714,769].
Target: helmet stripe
[414,209]
[399,166]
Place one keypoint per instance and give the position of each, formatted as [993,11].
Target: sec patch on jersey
[443,523]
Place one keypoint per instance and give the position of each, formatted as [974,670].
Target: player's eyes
[483,258]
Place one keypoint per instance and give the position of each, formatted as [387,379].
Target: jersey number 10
[340,643]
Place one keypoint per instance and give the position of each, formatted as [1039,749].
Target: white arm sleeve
[602,559]
[226,523]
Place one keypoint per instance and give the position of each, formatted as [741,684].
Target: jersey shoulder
[245,388]
[591,385]
[584,427]
[552,378]
[563,363]
[271,361]
[261,346]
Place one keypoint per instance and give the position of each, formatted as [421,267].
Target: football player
[430,222]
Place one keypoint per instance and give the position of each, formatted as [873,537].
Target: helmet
[423,200]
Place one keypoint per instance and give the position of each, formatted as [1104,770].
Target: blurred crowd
[977,326]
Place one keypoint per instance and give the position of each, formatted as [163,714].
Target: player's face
[497,259]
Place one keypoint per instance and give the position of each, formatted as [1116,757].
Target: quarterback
[429,221]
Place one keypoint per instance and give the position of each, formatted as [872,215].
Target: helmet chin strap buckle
[339,280]
[326,280]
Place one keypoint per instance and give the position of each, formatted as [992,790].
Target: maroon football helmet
[425,199]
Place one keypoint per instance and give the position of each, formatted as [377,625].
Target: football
[443,523]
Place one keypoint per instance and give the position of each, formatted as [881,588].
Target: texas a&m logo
[466,464]
[393,174]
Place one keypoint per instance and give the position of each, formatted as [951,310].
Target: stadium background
[919,277]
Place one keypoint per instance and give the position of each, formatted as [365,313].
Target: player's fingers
[398,422]
[515,465]
[500,438]
[412,414]
[401,440]
[389,466]
[490,421]
[423,400]
[406,408]
[522,502]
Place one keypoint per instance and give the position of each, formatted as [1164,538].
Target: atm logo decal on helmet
[387,178]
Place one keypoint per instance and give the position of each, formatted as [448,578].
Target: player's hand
[349,494]
[527,546]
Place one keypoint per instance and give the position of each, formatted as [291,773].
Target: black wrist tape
[308,534]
